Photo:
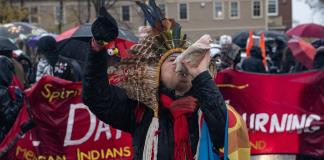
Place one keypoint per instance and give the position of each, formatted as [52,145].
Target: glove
[104,28]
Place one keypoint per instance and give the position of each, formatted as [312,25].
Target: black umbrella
[275,35]
[83,32]
[318,43]
[74,49]
[6,44]
[16,29]
[240,38]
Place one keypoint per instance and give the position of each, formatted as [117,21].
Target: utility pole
[89,11]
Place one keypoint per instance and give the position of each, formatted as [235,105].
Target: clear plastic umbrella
[19,30]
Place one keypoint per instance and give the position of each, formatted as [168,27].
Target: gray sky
[303,14]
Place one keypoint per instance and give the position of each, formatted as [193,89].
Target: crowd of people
[18,73]
[279,57]
[18,69]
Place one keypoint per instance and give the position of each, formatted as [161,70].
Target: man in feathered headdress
[156,104]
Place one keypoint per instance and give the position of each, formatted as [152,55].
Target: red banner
[66,129]
[284,113]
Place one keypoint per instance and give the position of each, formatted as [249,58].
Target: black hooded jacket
[111,105]
[319,59]
[9,109]
[254,63]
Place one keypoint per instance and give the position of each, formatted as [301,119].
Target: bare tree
[91,3]
[317,7]
[22,3]
[78,12]
[10,12]
[102,3]
[60,20]
[88,11]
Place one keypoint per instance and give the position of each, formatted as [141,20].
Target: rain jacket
[9,108]
[63,68]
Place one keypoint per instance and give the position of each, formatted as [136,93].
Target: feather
[183,42]
[156,10]
[147,13]
[166,40]
[176,33]
[169,38]
[162,44]
[152,14]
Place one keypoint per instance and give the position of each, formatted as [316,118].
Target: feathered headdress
[141,72]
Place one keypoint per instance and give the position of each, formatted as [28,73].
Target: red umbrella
[311,30]
[67,34]
[303,51]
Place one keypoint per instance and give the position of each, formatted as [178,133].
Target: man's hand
[202,67]
[104,28]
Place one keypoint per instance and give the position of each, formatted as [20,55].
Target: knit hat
[48,47]
[46,44]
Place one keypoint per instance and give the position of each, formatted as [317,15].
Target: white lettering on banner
[275,123]
[101,128]
[260,121]
[309,120]
[289,122]
[298,125]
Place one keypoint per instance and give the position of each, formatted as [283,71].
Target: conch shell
[194,53]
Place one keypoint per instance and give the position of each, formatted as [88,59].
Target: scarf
[179,109]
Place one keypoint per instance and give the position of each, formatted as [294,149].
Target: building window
[272,7]
[126,13]
[183,11]
[234,9]
[33,14]
[218,9]
[57,14]
[256,9]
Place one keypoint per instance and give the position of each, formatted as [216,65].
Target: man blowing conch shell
[170,132]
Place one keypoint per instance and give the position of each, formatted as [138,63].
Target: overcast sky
[303,14]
